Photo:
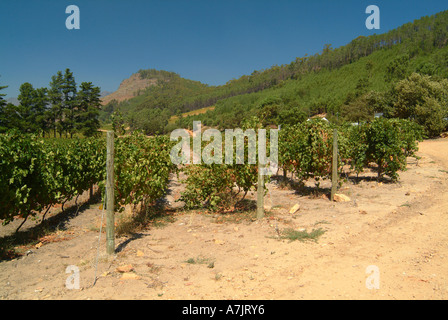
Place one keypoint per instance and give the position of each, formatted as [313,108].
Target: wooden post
[110,219]
[260,193]
[334,177]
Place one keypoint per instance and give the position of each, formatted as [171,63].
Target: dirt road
[398,230]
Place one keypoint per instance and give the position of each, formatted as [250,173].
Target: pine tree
[31,110]
[25,121]
[55,96]
[69,102]
[40,109]
[89,103]
[2,101]
[3,111]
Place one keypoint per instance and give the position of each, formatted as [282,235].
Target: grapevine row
[36,174]
[306,149]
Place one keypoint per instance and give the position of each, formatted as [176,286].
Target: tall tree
[31,110]
[25,121]
[70,103]
[2,101]
[4,111]
[55,96]
[40,109]
[89,103]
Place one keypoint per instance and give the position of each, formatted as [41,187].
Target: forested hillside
[348,83]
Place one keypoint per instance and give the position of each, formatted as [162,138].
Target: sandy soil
[399,228]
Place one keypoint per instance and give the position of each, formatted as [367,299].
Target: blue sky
[212,41]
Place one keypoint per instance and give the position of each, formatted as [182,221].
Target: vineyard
[36,173]
[224,152]
[210,244]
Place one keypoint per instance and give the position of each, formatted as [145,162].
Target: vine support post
[260,193]
[110,213]
[334,177]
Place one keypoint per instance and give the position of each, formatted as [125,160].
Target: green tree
[268,110]
[31,110]
[70,102]
[150,121]
[25,121]
[55,96]
[89,103]
[357,110]
[398,68]
[3,111]
[291,116]
[424,100]
[2,100]
[40,109]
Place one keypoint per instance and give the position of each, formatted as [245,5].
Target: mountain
[338,81]
[129,88]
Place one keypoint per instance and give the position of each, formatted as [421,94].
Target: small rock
[125,269]
[140,253]
[295,208]
[220,242]
[341,198]
[129,276]
[362,212]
